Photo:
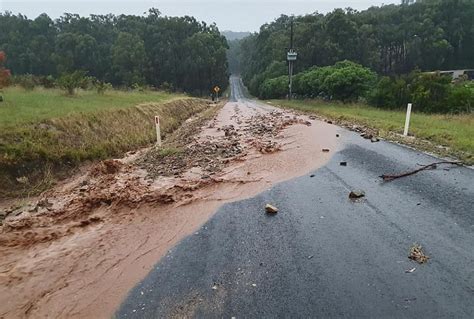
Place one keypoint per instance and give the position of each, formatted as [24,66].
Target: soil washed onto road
[78,249]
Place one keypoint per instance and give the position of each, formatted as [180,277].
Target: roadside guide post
[407,120]
[216,90]
[158,133]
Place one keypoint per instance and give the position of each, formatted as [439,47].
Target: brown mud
[78,249]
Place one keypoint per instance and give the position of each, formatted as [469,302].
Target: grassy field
[453,131]
[44,134]
[22,106]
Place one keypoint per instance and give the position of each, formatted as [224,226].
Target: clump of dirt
[266,146]
[106,167]
[272,123]
[209,155]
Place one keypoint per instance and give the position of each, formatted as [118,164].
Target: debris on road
[417,254]
[337,135]
[312,175]
[388,178]
[266,146]
[325,150]
[366,135]
[310,257]
[374,140]
[356,194]
[271,209]
[409,271]
[107,167]
[343,163]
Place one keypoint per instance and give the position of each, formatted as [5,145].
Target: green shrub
[47,81]
[102,86]
[26,81]
[461,98]
[167,87]
[348,81]
[29,81]
[345,81]
[274,70]
[139,87]
[429,93]
[274,88]
[310,83]
[391,93]
[72,81]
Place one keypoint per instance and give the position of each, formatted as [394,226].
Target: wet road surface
[323,255]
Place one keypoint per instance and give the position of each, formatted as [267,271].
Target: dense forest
[390,40]
[178,53]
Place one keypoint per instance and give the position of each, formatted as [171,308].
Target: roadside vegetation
[350,82]
[384,56]
[390,40]
[455,132]
[44,133]
[173,53]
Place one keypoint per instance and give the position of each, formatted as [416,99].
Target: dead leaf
[417,254]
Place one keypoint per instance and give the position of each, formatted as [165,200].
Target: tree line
[391,40]
[178,53]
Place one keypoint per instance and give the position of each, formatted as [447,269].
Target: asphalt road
[324,256]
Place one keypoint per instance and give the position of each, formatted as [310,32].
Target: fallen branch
[388,178]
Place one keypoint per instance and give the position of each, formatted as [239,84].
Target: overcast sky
[235,15]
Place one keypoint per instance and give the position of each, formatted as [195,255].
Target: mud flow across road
[77,250]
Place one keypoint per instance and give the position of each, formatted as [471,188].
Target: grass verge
[454,133]
[21,106]
[39,150]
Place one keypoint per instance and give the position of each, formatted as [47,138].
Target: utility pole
[291,58]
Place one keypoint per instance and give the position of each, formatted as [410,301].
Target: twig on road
[388,178]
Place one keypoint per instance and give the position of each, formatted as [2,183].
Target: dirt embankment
[34,156]
[78,249]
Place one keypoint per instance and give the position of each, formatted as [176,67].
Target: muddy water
[86,271]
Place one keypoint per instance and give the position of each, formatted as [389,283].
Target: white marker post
[407,120]
[158,133]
